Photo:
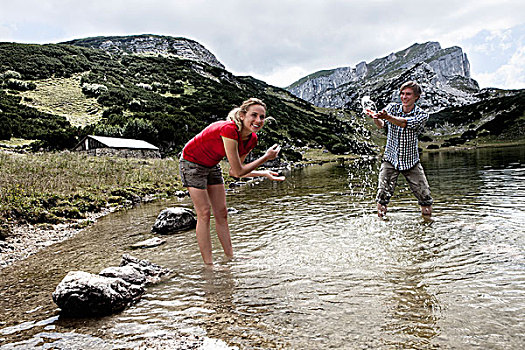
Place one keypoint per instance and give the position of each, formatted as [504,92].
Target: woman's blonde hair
[235,114]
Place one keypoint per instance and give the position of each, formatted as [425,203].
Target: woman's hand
[272,175]
[272,152]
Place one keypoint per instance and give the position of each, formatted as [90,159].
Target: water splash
[367,103]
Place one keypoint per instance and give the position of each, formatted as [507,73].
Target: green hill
[57,93]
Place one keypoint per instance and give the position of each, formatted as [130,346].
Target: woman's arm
[238,169]
[272,175]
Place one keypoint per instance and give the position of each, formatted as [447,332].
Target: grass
[51,188]
[318,155]
[64,97]
[16,142]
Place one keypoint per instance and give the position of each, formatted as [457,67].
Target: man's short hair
[413,85]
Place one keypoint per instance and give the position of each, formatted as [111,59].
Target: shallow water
[315,269]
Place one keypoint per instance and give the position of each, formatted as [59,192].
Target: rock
[149,243]
[128,273]
[171,220]
[148,44]
[236,184]
[153,272]
[232,211]
[181,194]
[169,342]
[82,294]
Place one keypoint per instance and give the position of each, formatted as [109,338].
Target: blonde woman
[201,173]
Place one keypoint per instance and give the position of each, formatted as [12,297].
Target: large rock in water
[85,294]
[171,220]
[82,294]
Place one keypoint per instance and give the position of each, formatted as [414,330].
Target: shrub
[20,85]
[10,74]
[142,129]
[108,130]
[94,90]
[145,86]
[68,212]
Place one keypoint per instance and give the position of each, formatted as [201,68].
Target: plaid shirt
[401,145]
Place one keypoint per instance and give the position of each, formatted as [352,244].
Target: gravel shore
[26,240]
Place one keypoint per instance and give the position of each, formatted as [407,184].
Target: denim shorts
[416,179]
[199,176]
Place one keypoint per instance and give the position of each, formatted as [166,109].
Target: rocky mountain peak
[149,44]
[443,73]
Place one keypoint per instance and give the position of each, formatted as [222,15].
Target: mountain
[450,95]
[444,75]
[160,89]
[149,44]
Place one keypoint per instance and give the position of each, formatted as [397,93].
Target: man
[404,122]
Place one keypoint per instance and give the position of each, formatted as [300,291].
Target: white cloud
[510,75]
[278,41]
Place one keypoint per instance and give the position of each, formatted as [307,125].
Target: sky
[281,41]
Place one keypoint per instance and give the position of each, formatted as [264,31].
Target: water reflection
[315,268]
[415,310]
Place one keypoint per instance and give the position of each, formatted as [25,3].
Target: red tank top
[207,148]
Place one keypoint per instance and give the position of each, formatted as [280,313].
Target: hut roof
[114,142]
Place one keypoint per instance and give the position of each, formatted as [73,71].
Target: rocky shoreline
[26,240]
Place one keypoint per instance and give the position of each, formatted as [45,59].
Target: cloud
[496,57]
[279,41]
[510,75]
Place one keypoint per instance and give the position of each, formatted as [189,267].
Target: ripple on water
[316,268]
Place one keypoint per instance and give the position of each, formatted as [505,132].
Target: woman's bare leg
[217,196]
[201,202]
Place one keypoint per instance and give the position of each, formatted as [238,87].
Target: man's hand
[377,115]
[370,113]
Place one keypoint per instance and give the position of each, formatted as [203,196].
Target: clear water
[316,268]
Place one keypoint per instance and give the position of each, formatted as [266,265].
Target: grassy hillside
[64,97]
[58,93]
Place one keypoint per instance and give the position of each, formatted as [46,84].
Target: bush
[10,74]
[68,212]
[20,85]
[5,131]
[141,129]
[94,90]
[108,130]
[4,231]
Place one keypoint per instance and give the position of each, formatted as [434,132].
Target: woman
[201,173]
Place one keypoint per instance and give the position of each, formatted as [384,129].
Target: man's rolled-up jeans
[416,180]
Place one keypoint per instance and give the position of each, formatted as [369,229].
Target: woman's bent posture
[201,173]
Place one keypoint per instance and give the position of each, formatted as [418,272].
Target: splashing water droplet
[367,103]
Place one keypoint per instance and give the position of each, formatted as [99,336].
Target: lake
[315,267]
